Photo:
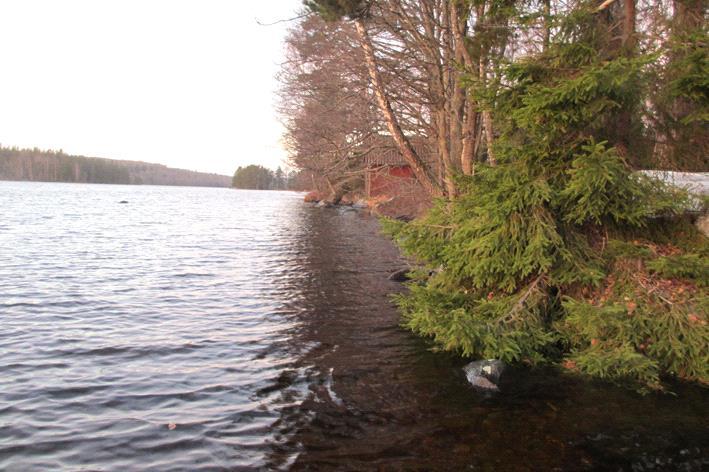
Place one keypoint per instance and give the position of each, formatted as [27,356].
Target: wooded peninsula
[56,166]
[516,133]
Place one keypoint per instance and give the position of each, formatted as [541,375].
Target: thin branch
[604,5]
[288,20]
[512,315]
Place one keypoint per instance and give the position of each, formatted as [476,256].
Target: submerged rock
[485,374]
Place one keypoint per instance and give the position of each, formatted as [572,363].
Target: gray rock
[360,204]
[485,374]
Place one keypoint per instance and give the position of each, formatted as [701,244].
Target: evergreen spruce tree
[561,253]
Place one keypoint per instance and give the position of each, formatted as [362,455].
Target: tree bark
[489,138]
[455,59]
[440,84]
[443,151]
[469,113]
[420,168]
[486,117]
[688,14]
[629,25]
[467,154]
[547,25]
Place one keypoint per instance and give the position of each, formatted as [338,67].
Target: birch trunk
[420,168]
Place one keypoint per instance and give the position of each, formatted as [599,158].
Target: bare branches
[287,20]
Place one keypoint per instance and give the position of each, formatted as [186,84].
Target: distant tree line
[255,177]
[56,166]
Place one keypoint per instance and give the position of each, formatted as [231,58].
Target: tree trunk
[453,56]
[440,89]
[469,112]
[547,24]
[486,118]
[467,154]
[339,189]
[629,25]
[688,14]
[444,153]
[489,138]
[420,168]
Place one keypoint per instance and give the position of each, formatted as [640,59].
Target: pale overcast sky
[186,83]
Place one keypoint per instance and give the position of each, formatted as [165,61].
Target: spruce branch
[511,316]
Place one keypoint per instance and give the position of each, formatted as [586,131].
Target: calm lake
[217,329]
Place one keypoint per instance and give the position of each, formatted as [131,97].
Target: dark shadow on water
[378,399]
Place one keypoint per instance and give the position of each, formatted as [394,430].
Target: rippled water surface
[215,329]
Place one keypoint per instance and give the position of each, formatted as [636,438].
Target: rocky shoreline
[397,207]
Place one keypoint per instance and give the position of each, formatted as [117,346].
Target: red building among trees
[387,174]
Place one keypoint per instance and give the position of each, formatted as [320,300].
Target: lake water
[216,329]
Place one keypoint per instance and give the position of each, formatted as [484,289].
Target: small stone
[484,374]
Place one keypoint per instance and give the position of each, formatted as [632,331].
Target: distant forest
[255,177]
[56,166]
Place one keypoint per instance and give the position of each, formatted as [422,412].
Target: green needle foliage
[336,9]
[560,253]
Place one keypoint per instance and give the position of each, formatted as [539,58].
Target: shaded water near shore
[210,329]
